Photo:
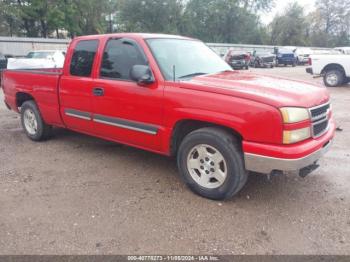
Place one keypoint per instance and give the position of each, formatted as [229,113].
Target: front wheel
[33,124]
[211,163]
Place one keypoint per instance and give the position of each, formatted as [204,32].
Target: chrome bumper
[265,164]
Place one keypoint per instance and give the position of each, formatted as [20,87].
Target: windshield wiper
[192,75]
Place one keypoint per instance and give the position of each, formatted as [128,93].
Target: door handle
[98,91]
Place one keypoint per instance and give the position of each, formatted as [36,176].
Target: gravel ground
[76,194]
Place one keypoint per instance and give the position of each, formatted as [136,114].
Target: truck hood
[275,91]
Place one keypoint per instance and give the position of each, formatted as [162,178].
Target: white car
[38,60]
[303,55]
[334,68]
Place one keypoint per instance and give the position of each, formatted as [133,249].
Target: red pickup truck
[174,96]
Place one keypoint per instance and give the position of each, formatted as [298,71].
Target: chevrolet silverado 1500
[174,96]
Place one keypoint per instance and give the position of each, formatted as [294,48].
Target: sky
[280,5]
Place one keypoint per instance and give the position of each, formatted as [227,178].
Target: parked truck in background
[285,57]
[237,59]
[334,68]
[174,96]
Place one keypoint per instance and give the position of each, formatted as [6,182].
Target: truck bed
[41,84]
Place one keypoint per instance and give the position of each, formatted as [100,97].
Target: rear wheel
[33,124]
[211,163]
[333,78]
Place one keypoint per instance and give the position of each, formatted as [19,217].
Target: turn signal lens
[294,114]
[294,136]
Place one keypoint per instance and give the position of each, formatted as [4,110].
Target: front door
[123,110]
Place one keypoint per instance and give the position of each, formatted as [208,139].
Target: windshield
[40,54]
[189,57]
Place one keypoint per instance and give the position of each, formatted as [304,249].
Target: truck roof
[134,35]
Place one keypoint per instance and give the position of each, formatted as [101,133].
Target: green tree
[330,23]
[289,28]
[10,23]
[222,21]
[44,17]
[157,16]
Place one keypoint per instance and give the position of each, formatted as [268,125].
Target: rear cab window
[83,58]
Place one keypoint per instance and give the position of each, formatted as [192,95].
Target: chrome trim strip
[320,116]
[320,121]
[265,164]
[37,71]
[77,114]
[117,122]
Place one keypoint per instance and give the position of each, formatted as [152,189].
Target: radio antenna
[174,73]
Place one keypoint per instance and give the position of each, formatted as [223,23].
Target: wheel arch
[333,66]
[185,126]
[22,97]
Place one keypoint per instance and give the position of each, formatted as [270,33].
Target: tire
[247,67]
[33,124]
[212,150]
[294,64]
[333,78]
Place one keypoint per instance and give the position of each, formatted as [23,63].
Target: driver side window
[119,56]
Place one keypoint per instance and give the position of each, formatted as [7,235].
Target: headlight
[294,114]
[294,136]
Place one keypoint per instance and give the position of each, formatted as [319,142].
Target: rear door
[76,87]
[123,110]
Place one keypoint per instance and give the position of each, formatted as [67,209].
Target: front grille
[319,119]
[319,112]
[320,128]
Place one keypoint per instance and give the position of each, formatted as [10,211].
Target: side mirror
[142,74]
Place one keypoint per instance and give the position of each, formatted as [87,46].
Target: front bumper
[286,61]
[263,158]
[239,66]
[266,165]
[267,64]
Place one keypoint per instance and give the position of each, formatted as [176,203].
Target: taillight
[310,61]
